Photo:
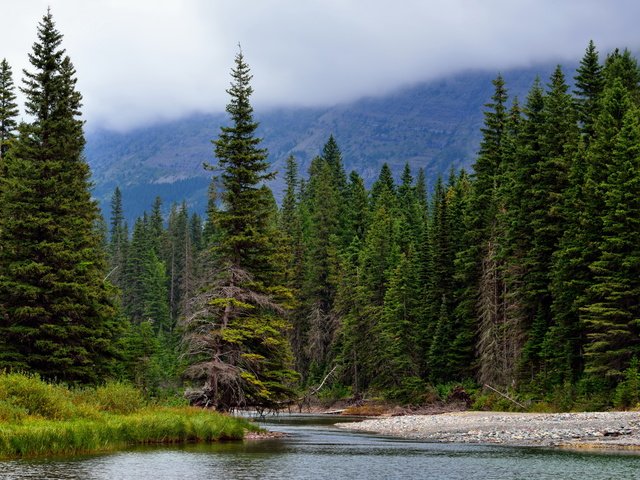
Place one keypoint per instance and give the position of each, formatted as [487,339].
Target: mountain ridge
[434,125]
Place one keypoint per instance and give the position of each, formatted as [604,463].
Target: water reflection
[316,449]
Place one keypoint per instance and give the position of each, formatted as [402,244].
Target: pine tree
[332,155]
[398,354]
[234,330]
[384,183]
[558,143]
[155,304]
[611,313]
[462,349]
[118,241]
[244,165]
[623,67]
[589,81]
[178,257]
[138,252]
[479,267]
[357,214]
[290,224]
[8,108]
[323,242]
[438,295]
[57,315]
[156,228]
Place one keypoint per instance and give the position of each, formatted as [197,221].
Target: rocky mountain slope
[434,125]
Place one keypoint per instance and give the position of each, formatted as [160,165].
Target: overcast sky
[141,61]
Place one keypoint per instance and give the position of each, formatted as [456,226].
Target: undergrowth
[39,418]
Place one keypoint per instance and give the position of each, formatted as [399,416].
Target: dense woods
[523,274]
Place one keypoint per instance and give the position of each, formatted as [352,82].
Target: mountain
[433,125]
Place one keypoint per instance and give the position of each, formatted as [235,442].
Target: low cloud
[147,60]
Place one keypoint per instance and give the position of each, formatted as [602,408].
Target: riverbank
[618,430]
[38,419]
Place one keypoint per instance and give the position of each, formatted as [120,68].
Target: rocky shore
[570,430]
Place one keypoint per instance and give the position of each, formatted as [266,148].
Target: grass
[38,418]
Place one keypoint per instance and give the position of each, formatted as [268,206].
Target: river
[315,448]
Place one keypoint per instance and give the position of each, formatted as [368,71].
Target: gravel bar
[571,430]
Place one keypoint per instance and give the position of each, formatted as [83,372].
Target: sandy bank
[572,430]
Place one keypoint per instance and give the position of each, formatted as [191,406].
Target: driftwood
[306,398]
[505,396]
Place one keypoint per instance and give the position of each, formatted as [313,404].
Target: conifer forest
[522,274]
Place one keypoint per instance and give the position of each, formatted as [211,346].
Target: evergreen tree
[178,258]
[290,224]
[321,263]
[589,81]
[623,67]
[118,241]
[558,143]
[357,214]
[57,316]
[155,304]
[156,228]
[332,155]
[138,253]
[384,183]
[8,108]
[437,298]
[398,354]
[244,166]
[611,313]
[479,267]
[234,330]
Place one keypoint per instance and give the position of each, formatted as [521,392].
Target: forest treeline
[522,275]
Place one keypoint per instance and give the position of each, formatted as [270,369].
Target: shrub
[35,397]
[118,397]
[10,412]
[627,394]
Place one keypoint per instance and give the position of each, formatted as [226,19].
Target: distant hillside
[434,125]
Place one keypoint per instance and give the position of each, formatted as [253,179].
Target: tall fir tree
[57,315]
[244,167]
[479,267]
[611,315]
[8,108]
[589,82]
[118,241]
[234,330]
[558,142]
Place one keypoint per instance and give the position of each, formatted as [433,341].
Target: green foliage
[8,109]
[118,398]
[45,419]
[32,396]
[627,394]
[57,316]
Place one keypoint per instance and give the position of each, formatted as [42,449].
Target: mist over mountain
[434,125]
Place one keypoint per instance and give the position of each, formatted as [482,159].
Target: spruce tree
[397,339]
[589,81]
[118,241]
[234,329]
[479,266]
[357,214]
[611,314]
[558,143]
[244,167]
[57,315]
[8,108]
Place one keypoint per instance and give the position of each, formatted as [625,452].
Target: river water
[315,448]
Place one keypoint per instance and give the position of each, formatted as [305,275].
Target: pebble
[597,429]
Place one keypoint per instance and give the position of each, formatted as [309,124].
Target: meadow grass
[38,418]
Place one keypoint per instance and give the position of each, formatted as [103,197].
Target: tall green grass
[38,418]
